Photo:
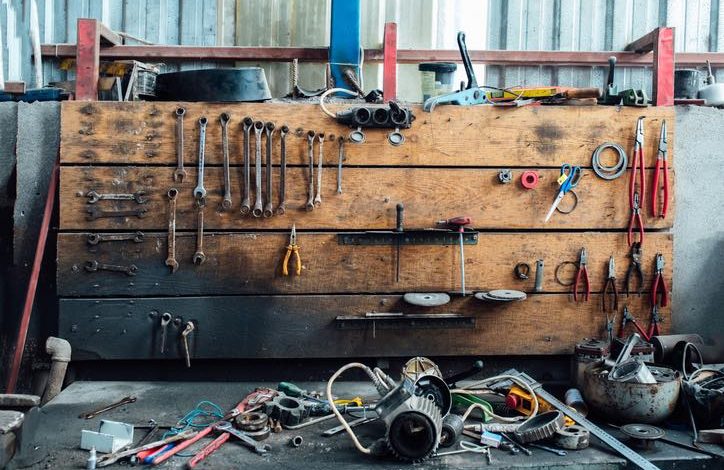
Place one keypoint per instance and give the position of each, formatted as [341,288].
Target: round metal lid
[426,299]
[642,431]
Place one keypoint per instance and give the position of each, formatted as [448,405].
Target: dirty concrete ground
[58,437]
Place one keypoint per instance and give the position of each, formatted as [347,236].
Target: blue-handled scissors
[572,177]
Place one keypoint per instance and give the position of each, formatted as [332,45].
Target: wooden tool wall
[241,303]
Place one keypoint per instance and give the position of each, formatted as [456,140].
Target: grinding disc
[501,295]
[428,299]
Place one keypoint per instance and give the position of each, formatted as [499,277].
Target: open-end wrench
[246,202]
[269,132]
[180,173]
[121,402]
[552,450]
[96,238]
[318,196]
[282,208]
[257,447]
[165,320]
[95,213]
[224,119]
[171,259]
[339,165]
[310,143]
[199,257]
[258,203]
[93,266]
[200,191]
[138,197]
[185,341]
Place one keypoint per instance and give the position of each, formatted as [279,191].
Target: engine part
[243,84]
[505,176]
[296,441]
[452,429]
[250,422]
[529,179]
[572,437]
[288,410]
[413,429]
[632,371]
[501,295]
[394,117]
[427,299]
[609,172]
[642,436]
[540,427]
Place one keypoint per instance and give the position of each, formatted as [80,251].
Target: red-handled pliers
[638,163]
[635,220]
[627,317]
[662,166]
[654,323]
[659,286]
[582,273]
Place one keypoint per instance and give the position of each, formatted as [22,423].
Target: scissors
[570,176]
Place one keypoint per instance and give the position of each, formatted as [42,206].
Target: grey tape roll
[609,172]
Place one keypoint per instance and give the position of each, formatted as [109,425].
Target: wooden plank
[368,200]
[294,327]
[87,60]
[144,133]
[250,263]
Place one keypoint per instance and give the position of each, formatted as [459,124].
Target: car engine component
[572,437]
[541,427]
[452,429]
[394,117]
[289,411]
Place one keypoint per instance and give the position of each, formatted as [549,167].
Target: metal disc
[501,295]
[427,299]
[642,431]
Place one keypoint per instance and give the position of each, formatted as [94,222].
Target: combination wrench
[552,450]
[339,165]
[269,132]
[138,197]
[224,119]
[180,173]
[119,403]
[171,259]
[318,196]
[95,213]
[245,439]
[282,208]
[247,123]
[200,191]
[310,144]
[258,203]
[96,238]
[199,257]
[93,266]
[165,320]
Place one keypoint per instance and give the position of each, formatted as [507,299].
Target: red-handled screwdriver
[460,223]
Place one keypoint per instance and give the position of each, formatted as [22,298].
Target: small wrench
[318,196]
[171,259]
[259,203]
[95,213]
[165,320]
[185,338]
[93,266]
[180,173]
[269,132]
[96,238]
[339,165]
[119,403]
[200,191]
[246,203]
[257,447]
[560,452]
[310,143]
[282,208]
[199,257]
[224,119]
[138,197]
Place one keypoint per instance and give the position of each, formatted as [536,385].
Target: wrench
[171,259]
[200,191]
[246,204]
[560,452]
[224,119]
[96,238]
[165,320]
[138,196]
[257,447]
[95,213]
[259,203]
[185,338]
[318,196]
[93,266]
[339,165]
[121,402]
[310,143]
[282,208]
[269,131]
[180,173]
[199,256]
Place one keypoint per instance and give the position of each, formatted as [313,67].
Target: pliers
[638,162]
[292,248]
[659,286]
[627,317]
[654,324]
[634,267]
[662,166]
[610,281]
[635,219]
[582,273]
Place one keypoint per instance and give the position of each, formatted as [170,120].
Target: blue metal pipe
[345,42]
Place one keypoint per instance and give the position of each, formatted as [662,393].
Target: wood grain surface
[250,263]
[546,136]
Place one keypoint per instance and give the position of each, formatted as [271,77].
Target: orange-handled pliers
[292,248]
[662,166]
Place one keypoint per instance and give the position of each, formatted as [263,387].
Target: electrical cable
[514,379]
[329,92]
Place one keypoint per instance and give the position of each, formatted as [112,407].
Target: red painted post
[389,69]
[87,59]
[663,74]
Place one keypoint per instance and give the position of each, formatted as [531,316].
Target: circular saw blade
[426,299]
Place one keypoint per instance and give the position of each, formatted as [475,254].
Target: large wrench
[96,238]
[310,143]
[138,197]
[199,257]
[282,208]
[224,119]
[121,402]
[259,203]
[95,213]
[200,191]
[180,173]
[246,203]
[171,259]
[269,131]
[257,447]
[93,266]
[318,196]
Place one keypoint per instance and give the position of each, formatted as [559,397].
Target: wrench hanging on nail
[200,191]
[224,119]
[310,142]
[318,196]
[246,203]
[339,165]
[199,257]
[180,173]
[259,203]
[269,132]
[282,208]
[171,259]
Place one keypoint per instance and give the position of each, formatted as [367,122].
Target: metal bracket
[408,237]
[391,321]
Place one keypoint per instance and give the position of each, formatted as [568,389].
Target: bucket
[437,78]
[686,83]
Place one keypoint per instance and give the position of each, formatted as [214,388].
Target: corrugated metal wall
[492,24]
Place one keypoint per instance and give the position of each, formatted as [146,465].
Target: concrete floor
[58,437]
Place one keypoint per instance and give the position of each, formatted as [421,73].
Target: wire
[514,379]
[329,92]
[189,420]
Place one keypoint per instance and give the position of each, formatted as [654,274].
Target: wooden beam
[389,72]
[663,76]
[87,59]
[108,36]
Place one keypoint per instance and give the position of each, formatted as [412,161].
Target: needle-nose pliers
[662,170]
[610,282]
[292,248]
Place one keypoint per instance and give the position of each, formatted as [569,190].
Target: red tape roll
[529,179]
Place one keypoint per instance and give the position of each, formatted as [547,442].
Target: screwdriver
[398,233]
[459,222]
